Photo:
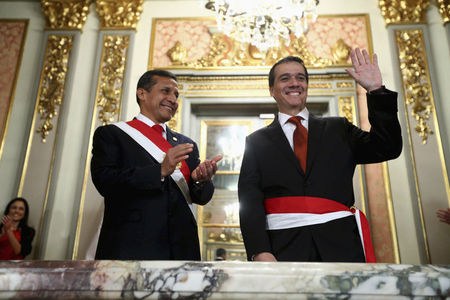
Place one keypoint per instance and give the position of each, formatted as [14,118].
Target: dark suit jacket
[335,146]
[145,218]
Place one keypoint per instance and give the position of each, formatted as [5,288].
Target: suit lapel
[171,137]
[315,131]
[277,136]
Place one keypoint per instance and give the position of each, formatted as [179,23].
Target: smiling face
[290,87]
[17,211]
[160,103]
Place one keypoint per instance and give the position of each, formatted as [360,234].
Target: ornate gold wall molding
[225,52]
[53,79]
[416,79]
[347,108]
[65,14]
[403,11]
[347,84]
[444,10]
[111,76]
[119,14]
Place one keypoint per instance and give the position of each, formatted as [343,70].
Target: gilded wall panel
[197,43]
[12,38]
[53,80]
[113,64]
[415,77]
[111,77]
[428,166]
[37,174]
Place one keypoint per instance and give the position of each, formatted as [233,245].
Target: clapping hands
[206,169]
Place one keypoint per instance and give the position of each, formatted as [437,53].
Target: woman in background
[15,235]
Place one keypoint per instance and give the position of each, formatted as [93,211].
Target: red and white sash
[291,212]
[157,146]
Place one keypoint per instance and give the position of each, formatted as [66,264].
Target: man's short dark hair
[220,252]
[147,80]
[283,61]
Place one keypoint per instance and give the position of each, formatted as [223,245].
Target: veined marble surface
[220,280]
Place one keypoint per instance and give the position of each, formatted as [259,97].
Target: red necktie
[300,141]
[158,128]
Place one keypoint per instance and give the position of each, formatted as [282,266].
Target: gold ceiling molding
[53,79]
[320,86]
[345,84]
[403,11]
[444,10]
[112,73]
[252,79]
[204,87]
[65,14]
[415,77]
[225,52]
[119,14]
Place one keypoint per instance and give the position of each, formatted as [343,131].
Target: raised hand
[173,157]
[365,73]
[206,169]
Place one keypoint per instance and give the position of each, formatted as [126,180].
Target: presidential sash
[157,146]
[298,211]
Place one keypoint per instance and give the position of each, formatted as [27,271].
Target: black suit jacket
[335,146]
[145,218]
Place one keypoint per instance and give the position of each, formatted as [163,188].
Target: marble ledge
[220,280]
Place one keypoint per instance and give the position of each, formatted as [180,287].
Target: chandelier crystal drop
[263,22]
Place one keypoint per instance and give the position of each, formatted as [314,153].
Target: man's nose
[294,81]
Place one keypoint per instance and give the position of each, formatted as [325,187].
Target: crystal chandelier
[263,22]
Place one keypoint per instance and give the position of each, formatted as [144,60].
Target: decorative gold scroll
[340,52]
[225,52]
[119,14]
[347,108]
[177,54]
[53,79]
[444,10]
[65,14]
[403,11]
[415,77]
[111,76]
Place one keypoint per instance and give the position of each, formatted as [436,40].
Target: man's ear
[140,93]
[271,91]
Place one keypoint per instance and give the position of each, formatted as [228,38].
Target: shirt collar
[149,122]
[283,118]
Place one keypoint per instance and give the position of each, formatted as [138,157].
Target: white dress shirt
[289,128]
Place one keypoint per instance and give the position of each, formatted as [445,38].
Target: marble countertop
[220,280]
